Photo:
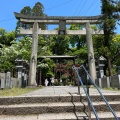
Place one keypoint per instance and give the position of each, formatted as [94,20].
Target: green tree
[115,46]
[27,11]
[46,66]
[37,10]
[6,62]
[98,44]
[81,54]
[8,54]
[77,40]
[100,49]
[6,37]
[44,47]
[59,44]
[78,45]
[2,31]
[111,9]
[22,47]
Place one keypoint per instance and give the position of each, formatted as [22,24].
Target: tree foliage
[8,54]
[111,9]
[77,40]
[46,65]
[44,46]
[37,10]
[59,45]
[78,45]
[6,37]
[116,50]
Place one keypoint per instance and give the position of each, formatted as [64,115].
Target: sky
[51,8]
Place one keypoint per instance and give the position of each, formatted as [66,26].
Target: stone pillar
[20,72]
[23,82]
[91,60]
[2,77]
[25,79]
[8,80]
[19,76]
[33,59]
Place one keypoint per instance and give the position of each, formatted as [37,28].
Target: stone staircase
[58,107]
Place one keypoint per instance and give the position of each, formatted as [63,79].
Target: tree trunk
[109,65]
[78,46]
[40,75]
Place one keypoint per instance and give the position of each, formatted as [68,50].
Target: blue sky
[51,8]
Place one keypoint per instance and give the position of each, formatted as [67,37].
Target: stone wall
[6,81]
[107,82]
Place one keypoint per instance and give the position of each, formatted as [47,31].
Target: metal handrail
[101,94]
[88,97]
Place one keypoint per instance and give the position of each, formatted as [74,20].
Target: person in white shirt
[46,82]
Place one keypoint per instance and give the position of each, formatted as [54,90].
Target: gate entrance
[62,21]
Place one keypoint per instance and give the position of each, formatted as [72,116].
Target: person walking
[52,81]
[46,82]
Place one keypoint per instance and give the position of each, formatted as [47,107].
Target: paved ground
[60,90]
[53,90]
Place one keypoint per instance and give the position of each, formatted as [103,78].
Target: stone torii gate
[62,21]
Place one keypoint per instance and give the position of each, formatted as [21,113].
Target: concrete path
[60,90]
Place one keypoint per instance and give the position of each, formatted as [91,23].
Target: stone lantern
[20,65]
[100,66]
[25,72]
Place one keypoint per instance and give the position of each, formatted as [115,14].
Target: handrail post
[78,87]
[89,108]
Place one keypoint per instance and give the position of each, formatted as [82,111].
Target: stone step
[55,98]
[60,116]
[37,108]
[101,115]
[48,116]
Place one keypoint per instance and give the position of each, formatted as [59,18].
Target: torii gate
[62,21]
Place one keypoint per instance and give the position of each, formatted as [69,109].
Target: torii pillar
[91,60]
[33,59]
